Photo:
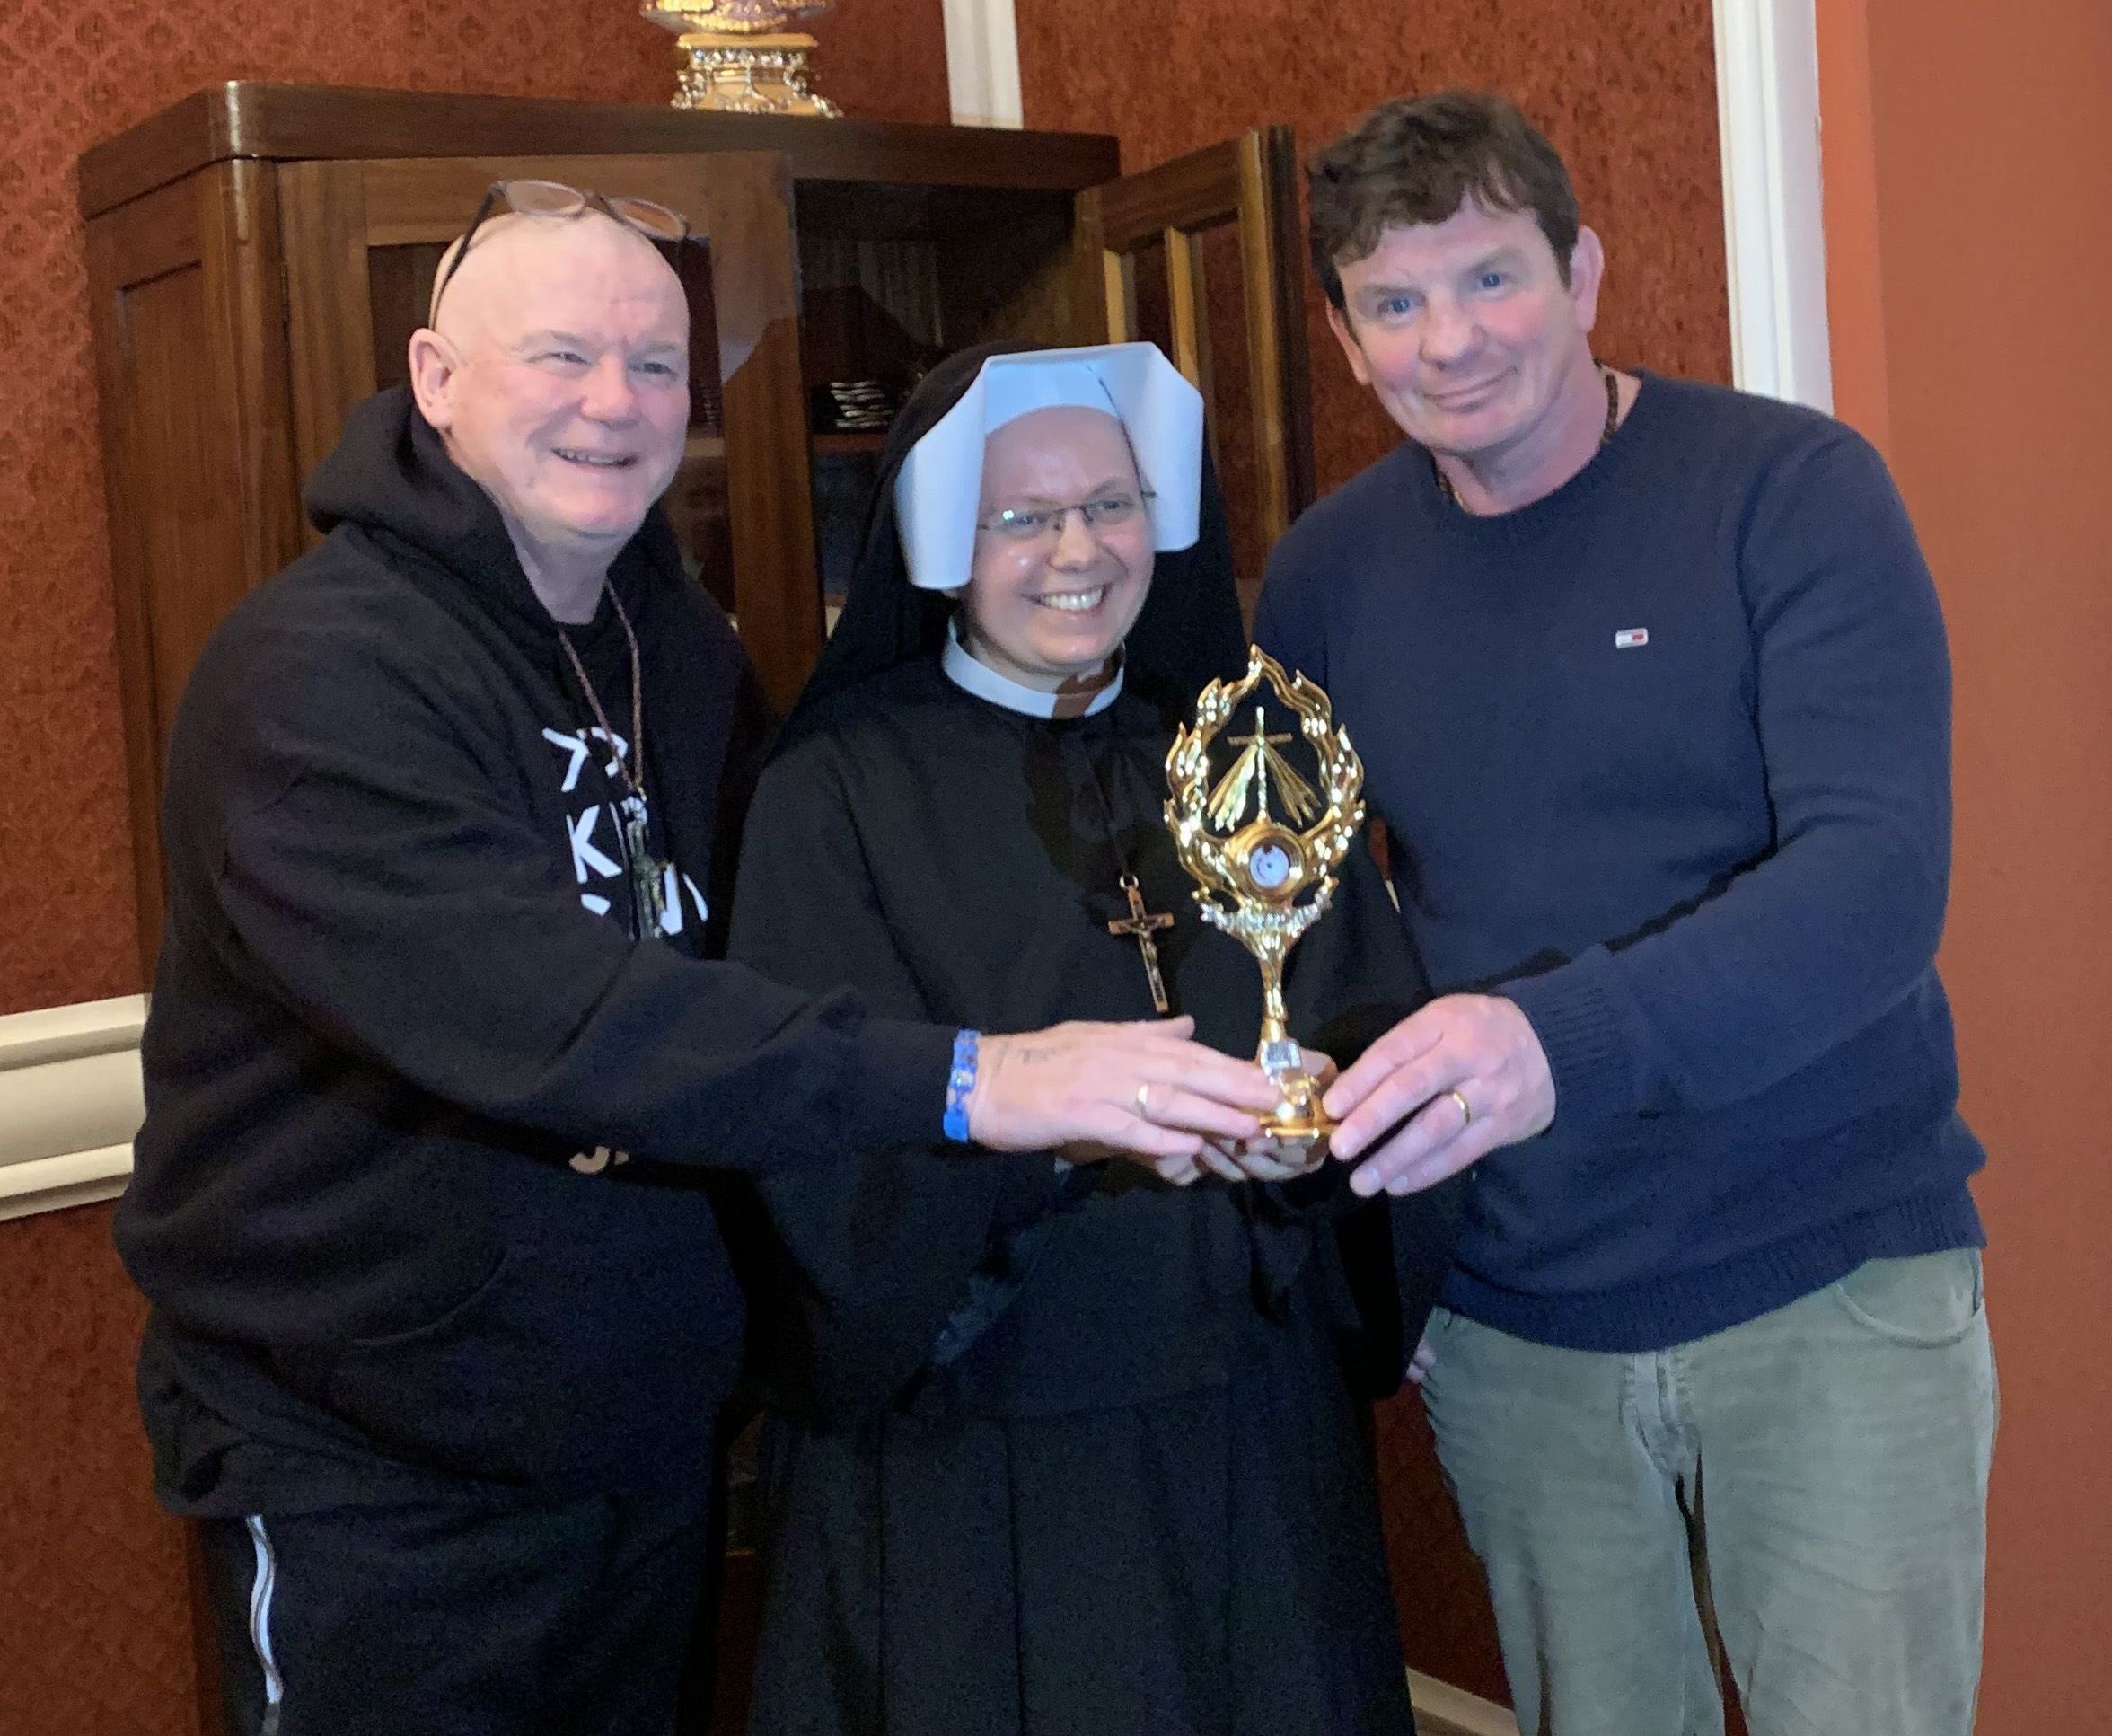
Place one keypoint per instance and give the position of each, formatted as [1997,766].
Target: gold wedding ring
[1465,1110]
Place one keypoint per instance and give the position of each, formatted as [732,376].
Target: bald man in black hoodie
[441,1052]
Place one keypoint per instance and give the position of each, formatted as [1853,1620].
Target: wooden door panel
[1248,184]
[184,300]
[330,317]
[433,198]
[747,202]
[364,237]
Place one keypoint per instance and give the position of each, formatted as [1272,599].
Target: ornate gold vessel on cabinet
[740,56]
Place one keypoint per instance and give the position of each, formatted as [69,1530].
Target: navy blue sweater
[1666,759]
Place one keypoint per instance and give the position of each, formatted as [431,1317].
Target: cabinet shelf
[825,445]
[839,444]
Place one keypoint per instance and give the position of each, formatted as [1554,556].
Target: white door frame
[982,63]
[1774,198]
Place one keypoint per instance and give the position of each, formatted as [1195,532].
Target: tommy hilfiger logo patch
[1630,638]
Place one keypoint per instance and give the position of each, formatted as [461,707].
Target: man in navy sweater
[1651,689]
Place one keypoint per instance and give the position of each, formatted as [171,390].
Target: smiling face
[1467,334]
[558,378]
[1050,609]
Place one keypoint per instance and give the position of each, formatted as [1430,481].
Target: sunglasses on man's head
[553,199]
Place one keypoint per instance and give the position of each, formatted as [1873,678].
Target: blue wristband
[960,1082]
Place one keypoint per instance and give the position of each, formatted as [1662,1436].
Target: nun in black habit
[1056,1447]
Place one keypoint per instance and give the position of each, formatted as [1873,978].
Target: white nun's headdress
[940,488]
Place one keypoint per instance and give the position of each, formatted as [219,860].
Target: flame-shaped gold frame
[1274,880]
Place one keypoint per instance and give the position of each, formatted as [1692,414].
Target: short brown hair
[1418,159]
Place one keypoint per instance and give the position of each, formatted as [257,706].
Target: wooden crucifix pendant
[1143,924]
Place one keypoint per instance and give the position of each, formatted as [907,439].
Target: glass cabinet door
[893,278]
[364,241]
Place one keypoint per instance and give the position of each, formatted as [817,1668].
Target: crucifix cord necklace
[649,874]
[1140,924]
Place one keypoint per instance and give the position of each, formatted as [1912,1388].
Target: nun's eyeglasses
[553,199]
[1104,512]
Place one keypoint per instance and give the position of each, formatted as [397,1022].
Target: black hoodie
[421,1183]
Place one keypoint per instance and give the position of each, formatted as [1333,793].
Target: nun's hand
[1263,1159]
[1259,1159]
[1145,1088]
[1179,1171]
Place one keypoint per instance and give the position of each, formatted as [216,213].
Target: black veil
[1188,632]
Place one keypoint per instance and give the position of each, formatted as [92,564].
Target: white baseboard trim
[70,1102]
[1443,1710]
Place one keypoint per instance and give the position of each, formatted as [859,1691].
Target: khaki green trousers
[1807,1492]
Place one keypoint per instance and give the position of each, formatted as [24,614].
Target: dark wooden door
[1201,255]
[183,294]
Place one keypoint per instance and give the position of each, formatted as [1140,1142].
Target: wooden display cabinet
[258,255]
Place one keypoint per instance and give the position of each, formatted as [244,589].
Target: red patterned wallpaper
[1626,89]
[94,1634]
[884,59]
[70,77]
